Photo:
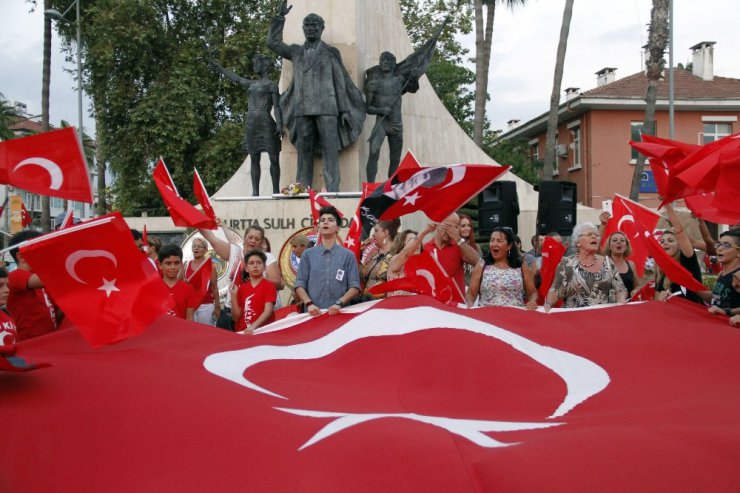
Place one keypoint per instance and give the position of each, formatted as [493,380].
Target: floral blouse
[578,287]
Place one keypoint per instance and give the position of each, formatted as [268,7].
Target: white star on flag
[349,242]
[108,287]
[411,199]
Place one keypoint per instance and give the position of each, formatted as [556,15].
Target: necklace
[580,261]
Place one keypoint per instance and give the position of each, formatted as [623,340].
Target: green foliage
[515,154]
[145,69]
[8,115]
[450,79]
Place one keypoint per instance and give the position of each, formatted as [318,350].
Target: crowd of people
[329,277]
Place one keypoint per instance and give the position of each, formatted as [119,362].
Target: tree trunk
[657,42]
[483,40]
[552,119]
[45,83]
[102,205]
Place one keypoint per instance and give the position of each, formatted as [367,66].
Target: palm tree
[552,120]
[483,40]
[45,82]
[659,35]
[8,115]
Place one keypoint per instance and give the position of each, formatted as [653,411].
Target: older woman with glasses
[586,278]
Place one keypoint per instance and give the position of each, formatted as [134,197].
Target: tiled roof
[685,86]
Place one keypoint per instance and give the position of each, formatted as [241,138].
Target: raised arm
[684,243]
[221,247]
[275,34]
[232,76]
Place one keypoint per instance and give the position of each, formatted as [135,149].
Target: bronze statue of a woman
[263,133]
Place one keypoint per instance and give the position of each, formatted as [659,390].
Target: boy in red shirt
[255,298]
[9,359]
[28,303]
[183,294]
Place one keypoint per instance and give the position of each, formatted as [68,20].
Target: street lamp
[59,16]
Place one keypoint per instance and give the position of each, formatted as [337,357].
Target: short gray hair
[580,228]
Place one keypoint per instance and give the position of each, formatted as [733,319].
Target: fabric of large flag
[423,274]
[317,202]
[182,212]
[199,189]
[99,279]
[48,163]
[552,253]
[407,395]
[26,218]
[625,213]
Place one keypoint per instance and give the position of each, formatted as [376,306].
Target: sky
[603,33]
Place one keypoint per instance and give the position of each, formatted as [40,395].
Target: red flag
[706,206]
[145,241]
[405,395]
[625,214]
[162,174]
[202,195]
[201,280]
[317,202]
[182,212]
[49,163]
[646,293]
[353,240]
[552,253]
[675,271]
[440,191]
[26,218]
[423,274]
[69,219]
[98,278]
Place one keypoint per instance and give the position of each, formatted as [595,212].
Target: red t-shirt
[252,301]
[8,334]
[32,309]
[183,295]
[450,257]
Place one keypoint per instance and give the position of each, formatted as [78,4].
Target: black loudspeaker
[498,205]
[556,211]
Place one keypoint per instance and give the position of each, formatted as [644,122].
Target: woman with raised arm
[677,244]
[263,132]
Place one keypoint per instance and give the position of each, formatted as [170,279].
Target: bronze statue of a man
[322,108]
[384,87]
[262,133]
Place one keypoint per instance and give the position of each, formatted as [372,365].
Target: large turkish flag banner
[405,394]
[49,163]
[99,278]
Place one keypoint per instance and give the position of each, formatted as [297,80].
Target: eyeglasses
[725,244]
[592,233]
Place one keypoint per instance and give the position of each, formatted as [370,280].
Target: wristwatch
[462,240]
[339,303]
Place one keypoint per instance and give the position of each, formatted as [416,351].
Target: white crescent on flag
[55,172]
[627,218]
[430,278]
[458,174]
[583,378]
[75,257]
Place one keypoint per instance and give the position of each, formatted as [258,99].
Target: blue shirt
[327,274]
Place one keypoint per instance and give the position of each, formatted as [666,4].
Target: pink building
[595,126]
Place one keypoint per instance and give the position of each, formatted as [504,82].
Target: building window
[56,203]
[575,145]
[715,131]
[534,150]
